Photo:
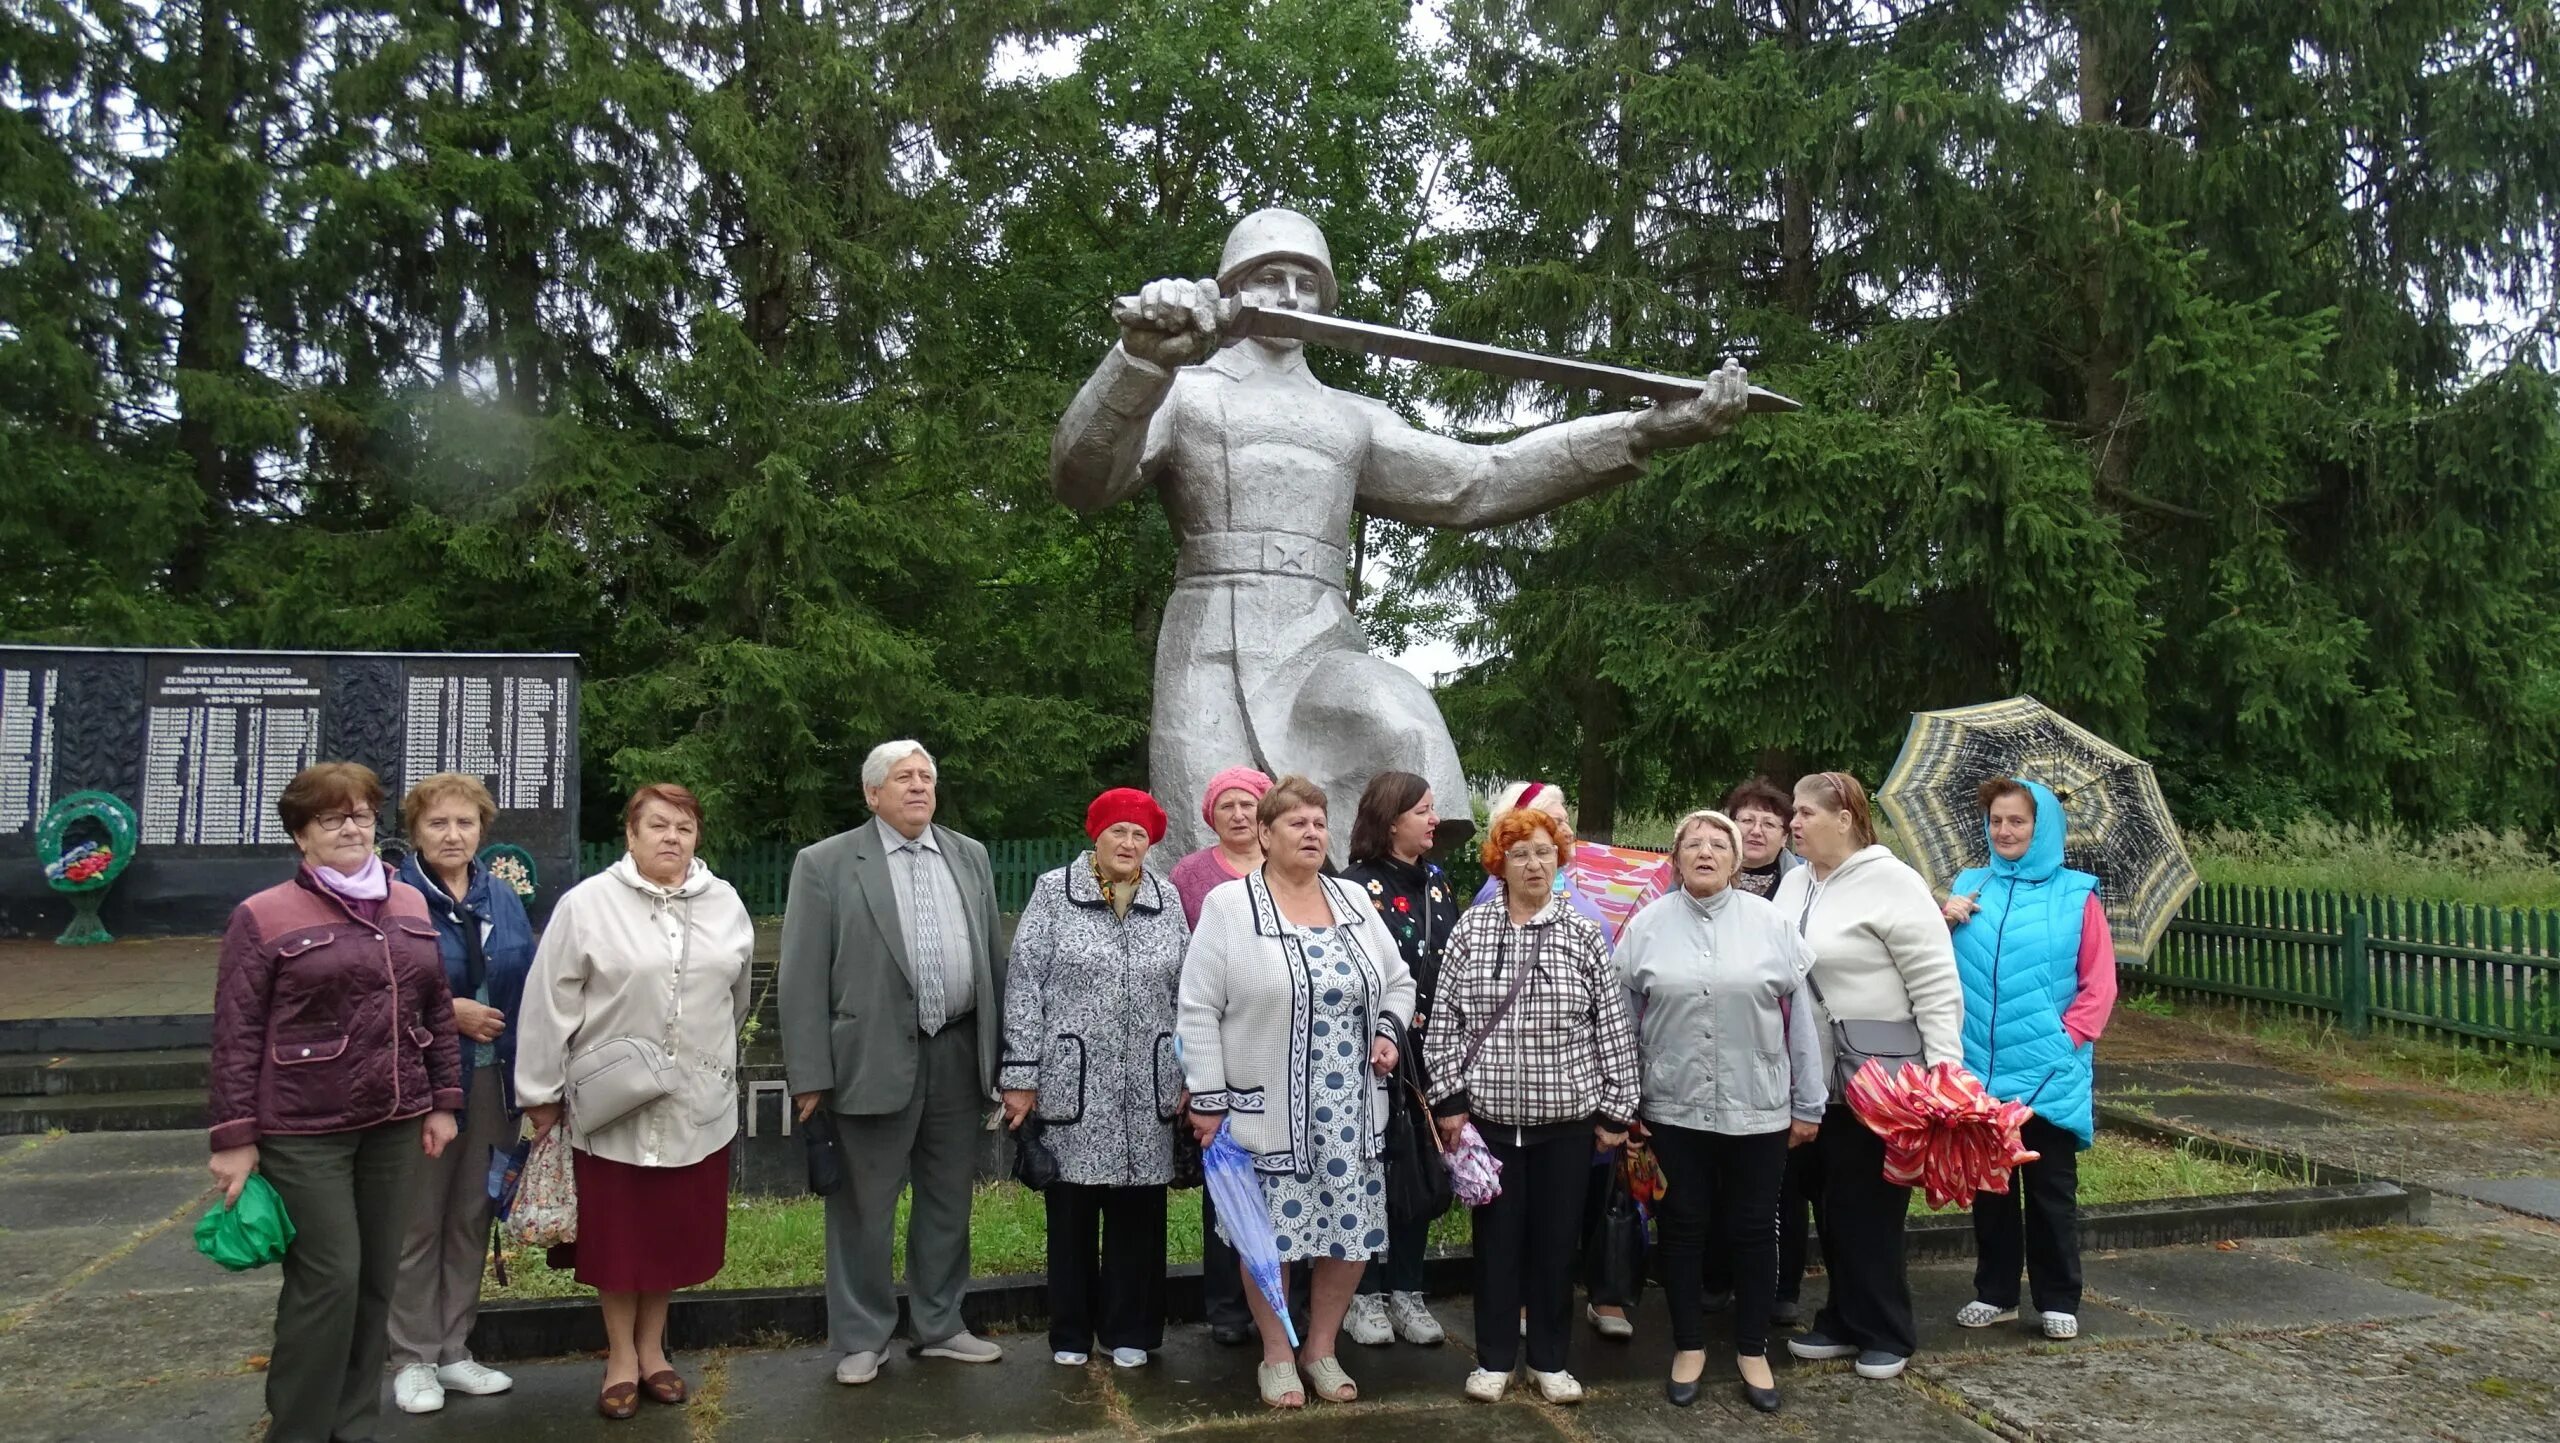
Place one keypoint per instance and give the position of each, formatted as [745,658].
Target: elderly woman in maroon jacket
[334,1066]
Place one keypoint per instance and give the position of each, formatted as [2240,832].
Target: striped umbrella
[2120,828]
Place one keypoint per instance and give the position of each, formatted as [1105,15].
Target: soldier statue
[1260,467]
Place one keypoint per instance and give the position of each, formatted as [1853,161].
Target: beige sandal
[1278,1381]
[1331,1383]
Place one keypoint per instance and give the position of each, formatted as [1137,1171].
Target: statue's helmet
[1277,234]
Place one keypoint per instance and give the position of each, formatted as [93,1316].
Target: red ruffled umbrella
[1943,1133]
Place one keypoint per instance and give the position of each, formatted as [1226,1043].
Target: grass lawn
[778,1242]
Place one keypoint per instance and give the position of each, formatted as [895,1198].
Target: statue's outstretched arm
[1429,480]
[1113,435]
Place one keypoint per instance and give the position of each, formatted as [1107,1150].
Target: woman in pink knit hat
[1228,807]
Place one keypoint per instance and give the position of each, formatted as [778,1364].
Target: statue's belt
[1263,553]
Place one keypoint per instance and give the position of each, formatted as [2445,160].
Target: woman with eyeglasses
[1530,1038]
[1884,974]
[334,1067]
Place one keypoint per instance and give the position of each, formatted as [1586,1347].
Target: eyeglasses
[1539,853]
[340,821]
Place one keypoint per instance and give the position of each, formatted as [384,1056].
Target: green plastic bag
[250,1233]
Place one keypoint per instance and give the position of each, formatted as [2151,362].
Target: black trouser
[2047,1191]
[1726,1185]
[1862,1217]
[1114,1291]
[1400,1271]
[1799,1200]
[1221,1278]
[1526,1242]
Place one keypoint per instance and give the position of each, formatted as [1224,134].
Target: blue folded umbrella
[1246,1219]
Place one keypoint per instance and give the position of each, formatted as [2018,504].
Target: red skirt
[647,1229]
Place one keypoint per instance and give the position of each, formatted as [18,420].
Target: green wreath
[510,866]
[104,808]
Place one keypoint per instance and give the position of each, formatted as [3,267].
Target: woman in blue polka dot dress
[1291,994]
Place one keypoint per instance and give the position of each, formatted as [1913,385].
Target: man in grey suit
[892,1002]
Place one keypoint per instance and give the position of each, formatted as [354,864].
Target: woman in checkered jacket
[1530,1038]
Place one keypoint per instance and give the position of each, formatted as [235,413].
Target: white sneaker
[1413,1319]
[1979,1314]
[473,1378]
[1485,1386]
[2059,1326]
[416,1389]
[1558,1386]
[1366,1321]
[854,1369]
[1065,1358]
[1128,1357]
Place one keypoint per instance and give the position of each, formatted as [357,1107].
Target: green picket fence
[2478,974]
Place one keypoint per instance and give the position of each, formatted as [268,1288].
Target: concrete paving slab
[192,1410]
[100,1341]
[1195,1381]
[2180,1392]
[2503,1267]
[2217,1292]
[2239,1112]
[2452,1377]
[2235,1074]
[1833,1408]
[2138,1077]
[1936,1294]
[2537,1196]
[168,1261]
[550,1403]
[101,1153]
[34,1263]
[32,1203]
[791,1396]
[1459,1422]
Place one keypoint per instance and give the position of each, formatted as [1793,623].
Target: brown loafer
[665,1386]
[619,1402]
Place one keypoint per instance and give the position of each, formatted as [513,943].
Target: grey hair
[1708,817]
[875,767]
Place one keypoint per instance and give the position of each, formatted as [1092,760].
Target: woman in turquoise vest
[2039,969]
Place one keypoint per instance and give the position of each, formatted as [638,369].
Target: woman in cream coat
[1884,970]
[1292,994]
[655,948]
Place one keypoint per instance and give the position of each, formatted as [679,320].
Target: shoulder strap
[1519,980]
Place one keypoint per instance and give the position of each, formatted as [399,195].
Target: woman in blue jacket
[2039,969]
[487,945]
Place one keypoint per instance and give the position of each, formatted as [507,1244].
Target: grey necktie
[928,938]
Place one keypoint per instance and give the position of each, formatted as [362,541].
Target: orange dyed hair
[1517,826]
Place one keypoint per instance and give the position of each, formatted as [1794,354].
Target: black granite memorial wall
[199,743]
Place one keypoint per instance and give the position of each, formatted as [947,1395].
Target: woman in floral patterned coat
[1088,1045]
[1391,839]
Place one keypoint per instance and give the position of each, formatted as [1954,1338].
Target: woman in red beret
[1088,1046]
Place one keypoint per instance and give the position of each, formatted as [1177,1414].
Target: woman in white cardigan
[1292,993]
[1885,975]
[655,949]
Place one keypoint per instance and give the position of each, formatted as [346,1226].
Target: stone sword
[1243,319]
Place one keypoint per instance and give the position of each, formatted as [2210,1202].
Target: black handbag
[1035,1166]
[1613,1247]
[1418,1187]
[826,1152]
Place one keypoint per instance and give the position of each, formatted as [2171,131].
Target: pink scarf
[369,884]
